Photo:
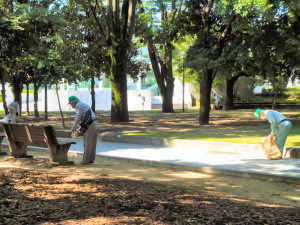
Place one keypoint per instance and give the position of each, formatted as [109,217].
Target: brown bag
[270,148]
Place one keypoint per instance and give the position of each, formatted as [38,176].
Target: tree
[159,36]
[214,22]
[276,50]
[116,23]
[211,30]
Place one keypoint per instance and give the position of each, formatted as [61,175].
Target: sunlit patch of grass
[292,140]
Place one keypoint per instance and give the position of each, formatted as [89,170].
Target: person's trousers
[90,142]
[283,131]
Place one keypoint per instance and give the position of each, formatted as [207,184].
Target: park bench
[1,139]
[19,136]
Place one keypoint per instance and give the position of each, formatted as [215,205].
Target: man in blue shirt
[89,126]
[280,125]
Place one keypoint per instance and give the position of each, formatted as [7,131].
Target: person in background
[142,101]
[280,125]
[217,101]
[14,111]
[89,126]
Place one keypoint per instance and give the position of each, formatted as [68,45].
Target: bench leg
[19,151]
[2,153]
[59,155]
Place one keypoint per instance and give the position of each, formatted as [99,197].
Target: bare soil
[39,197]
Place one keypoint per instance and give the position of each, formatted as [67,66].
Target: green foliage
[149,80]
[181,47]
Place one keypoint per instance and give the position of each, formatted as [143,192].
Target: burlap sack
[270,148]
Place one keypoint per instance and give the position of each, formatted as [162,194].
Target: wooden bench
[1,139]
[19,136]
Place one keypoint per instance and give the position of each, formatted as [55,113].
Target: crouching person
[88,125]
[280,125]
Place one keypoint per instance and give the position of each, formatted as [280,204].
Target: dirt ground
[116,192]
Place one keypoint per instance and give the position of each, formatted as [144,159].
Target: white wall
[103,99]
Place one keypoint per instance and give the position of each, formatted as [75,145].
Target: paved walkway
[227,163]
[190,158]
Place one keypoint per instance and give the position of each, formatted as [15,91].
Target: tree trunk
[35,100]
[119,108]
[229,85]
[163,72]
[27,99]
[118,32]
[17,88]
[3,91]
[205,91]
[228,101]
[46,103]
[93,94]
[274,99]
[62,116]
[167,104]
[167,100]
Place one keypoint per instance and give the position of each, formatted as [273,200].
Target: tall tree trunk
[62,116]
[119,108]
[93,94]
[117,32]
[167,106]
[3,91]
[27,99]
[205,92]
[46,103]
[17,88]
[228,102]
[163,74]
[35,100]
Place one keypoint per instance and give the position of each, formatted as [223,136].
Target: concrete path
[191,158]
[232,163]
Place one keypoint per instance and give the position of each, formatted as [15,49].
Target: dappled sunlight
[163,179]
[139,170]
[223,184]
[294,198]
[8,166]
[261,204]
[105,220]
[189,175]
[193,200]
